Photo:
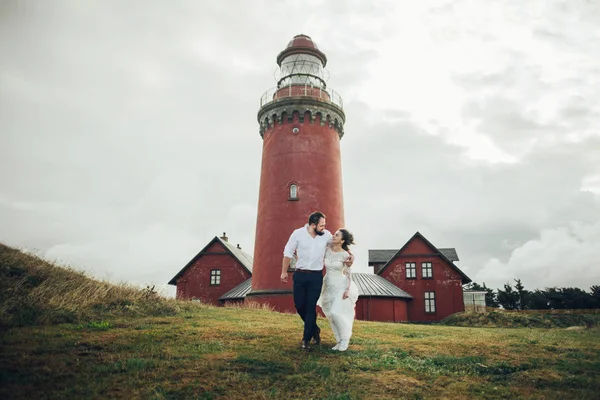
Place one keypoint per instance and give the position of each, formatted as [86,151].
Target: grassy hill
[65,335]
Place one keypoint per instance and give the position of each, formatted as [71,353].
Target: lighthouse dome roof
[302,44]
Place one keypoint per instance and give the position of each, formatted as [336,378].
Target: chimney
[224,237]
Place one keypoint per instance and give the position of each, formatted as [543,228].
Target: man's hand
[284,277]
[350,260]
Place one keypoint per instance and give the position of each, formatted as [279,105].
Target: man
[309,243]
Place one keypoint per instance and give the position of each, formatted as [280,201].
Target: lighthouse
[301,122]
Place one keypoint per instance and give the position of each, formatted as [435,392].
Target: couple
[336,294]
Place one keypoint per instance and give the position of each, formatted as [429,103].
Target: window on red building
[427,270]
[411,270]
[430,302]
[215,277]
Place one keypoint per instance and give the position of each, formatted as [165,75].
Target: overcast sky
[129,136]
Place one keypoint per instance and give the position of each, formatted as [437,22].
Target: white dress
[339,311]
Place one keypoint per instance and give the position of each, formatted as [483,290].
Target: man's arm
[288,253]
[285,265]
[350,260]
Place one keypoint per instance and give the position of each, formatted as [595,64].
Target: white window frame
[215,277]
[429,302]
[429,270]
[411,266]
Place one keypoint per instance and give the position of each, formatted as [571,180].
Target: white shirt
[310,251]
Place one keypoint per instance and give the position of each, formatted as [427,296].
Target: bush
[501,319]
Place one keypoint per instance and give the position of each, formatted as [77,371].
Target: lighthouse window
[293,192]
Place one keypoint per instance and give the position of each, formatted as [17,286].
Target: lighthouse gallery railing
[276,94]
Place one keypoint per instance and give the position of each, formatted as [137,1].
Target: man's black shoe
[305,345]
[317,336]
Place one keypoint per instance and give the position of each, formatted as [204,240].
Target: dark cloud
[130,137]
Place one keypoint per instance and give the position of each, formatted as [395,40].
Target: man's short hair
[315,217]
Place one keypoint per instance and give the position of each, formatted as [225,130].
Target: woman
[339,293]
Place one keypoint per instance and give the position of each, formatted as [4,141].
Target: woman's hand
[345,295]
[350,260]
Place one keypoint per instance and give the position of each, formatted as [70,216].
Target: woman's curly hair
[347,237]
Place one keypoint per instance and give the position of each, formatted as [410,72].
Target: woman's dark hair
[347,237]
[315,218]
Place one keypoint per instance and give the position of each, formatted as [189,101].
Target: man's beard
[320,233]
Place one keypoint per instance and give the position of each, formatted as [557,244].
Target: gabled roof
[244,258]
[368,285]
[383,256]
[450,254]
[465,278]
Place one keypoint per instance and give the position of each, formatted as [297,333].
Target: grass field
[124,348]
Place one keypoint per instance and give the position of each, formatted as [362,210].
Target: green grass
[203,352]
[230,356]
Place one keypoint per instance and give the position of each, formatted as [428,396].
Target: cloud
[130,137]
[558,257]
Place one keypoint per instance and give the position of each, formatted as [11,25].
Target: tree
[575,298]
[595,292]
[522,295]
[555,298]
[537,300]
[491,299]
[508,298]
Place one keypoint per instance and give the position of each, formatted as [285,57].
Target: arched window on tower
[293,192]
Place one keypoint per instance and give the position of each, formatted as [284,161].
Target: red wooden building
[417,283]
[215,270]
[425,272]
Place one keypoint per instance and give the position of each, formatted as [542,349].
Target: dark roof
[383,256]
[239,292]
[465,278]
[450,254]
[368,285]
[244,258]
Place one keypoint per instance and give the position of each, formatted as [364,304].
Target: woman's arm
[348,274]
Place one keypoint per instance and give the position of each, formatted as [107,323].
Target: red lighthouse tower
[301,123]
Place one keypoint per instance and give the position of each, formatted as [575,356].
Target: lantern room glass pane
[302,69]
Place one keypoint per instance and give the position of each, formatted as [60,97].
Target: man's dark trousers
[307,289]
